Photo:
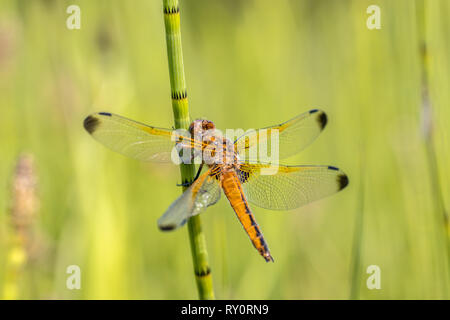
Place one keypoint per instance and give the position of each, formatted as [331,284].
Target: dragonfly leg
[187,184]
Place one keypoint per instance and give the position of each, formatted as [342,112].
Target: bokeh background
[67,200]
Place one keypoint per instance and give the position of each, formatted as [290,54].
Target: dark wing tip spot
[333,168]
[342,180]
[313,111]
[91,123]
[167,227]
[105,114]
[322,119]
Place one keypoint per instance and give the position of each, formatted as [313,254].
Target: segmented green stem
[180,108]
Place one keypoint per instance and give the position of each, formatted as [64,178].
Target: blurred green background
[248,64]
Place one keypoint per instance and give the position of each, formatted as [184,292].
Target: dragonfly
[243,180]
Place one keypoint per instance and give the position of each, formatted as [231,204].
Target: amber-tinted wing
[204,192]
[134,139]
[291,187]
[294,135]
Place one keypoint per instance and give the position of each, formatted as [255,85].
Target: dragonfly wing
[291,186]
[293,136]
[133,139]
[204,192]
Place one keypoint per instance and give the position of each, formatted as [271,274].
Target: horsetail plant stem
[180,108]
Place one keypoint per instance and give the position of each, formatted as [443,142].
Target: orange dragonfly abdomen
[232,188]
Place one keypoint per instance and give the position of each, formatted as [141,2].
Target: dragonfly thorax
[216,149]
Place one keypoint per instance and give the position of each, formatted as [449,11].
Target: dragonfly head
[200,125]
